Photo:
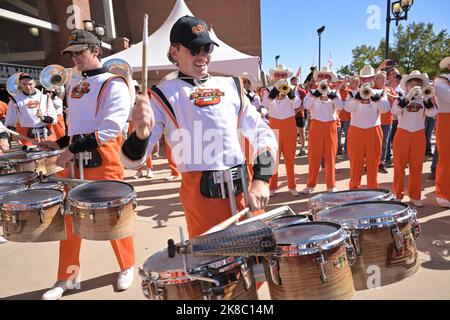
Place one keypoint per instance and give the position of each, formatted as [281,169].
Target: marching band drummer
[30,112]
[409,141]
[99,106]
[215,108]
[323,105]
[282,109]
[442,87]
[365,136]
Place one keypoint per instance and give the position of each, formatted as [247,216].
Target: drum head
[46,185]
[101,191]
[305,233]
[18,177]
[372,212]
[33,198]
[351,196]
[11,187]
[160,262]
[288,221]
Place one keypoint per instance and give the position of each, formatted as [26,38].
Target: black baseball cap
[191,32]
[24,75]
[79,40]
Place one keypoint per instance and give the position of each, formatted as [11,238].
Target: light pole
[400,11]
[276,60]
[319,32]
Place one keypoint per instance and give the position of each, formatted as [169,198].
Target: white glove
[415,93]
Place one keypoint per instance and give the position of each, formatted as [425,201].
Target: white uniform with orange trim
[202,125]
[282,121]
[442,87]
[98,104]
[365,139]
[322,137]
[409,147]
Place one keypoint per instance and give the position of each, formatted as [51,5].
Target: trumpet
[324,88]
[12,85]
[429,92]
[283,87]
[53,77]
[366,92]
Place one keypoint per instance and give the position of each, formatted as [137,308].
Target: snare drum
[34,216]
[333,199]
[311,262]
[6,167]
[48,185]
[383,234]
[26,178]
[165,279]
[103,210]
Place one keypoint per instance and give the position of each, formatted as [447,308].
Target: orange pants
[203,213]
[364,144]
[24,131]
[443,165]
[172,165]
[60,127]
[286,132]
[409,147]
[69,249]
[322,145]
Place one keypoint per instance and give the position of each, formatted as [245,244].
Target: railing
[8,69]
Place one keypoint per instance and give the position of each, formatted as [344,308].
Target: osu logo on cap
[198,29]
[72,36]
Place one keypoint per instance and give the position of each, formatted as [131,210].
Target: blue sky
[289,28]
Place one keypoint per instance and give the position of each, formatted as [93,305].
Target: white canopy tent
[225,59]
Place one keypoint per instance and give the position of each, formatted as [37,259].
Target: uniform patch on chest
[206,97]
[33,104]
[80,90]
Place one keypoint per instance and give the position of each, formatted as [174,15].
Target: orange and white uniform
[202,124]
[60,127]
[409,147]
[98,108]
[282,121]
[365,139]
[322,137]
[442,87]
[3,110]
[22,115]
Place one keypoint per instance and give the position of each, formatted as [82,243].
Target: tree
[416,48]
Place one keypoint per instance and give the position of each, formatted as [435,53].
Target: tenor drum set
[357,240]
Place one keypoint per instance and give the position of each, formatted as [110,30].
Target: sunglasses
[208,48]
[76,54]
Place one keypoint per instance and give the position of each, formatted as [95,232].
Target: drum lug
[92,216]
[356,241]
[416,229]
[160,292]
[398,238]
[41,214]
[135,203]
[245,271]
[212,293]
[119,212]
[15,218]
[351,254]
[274,270]
[322,263]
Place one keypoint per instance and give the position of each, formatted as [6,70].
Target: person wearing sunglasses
[202,118]
[98,109]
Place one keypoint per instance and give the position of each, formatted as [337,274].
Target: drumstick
[144,55]
[21,136]
[225,224]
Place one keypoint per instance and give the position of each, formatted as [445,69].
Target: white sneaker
[57,291]
[294,192]
[272,193]
[170,178]
[149,174]
[125,279]
[416,203]
[307,190]
[3,240]
[332,189]
[138,175]
[443,202]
